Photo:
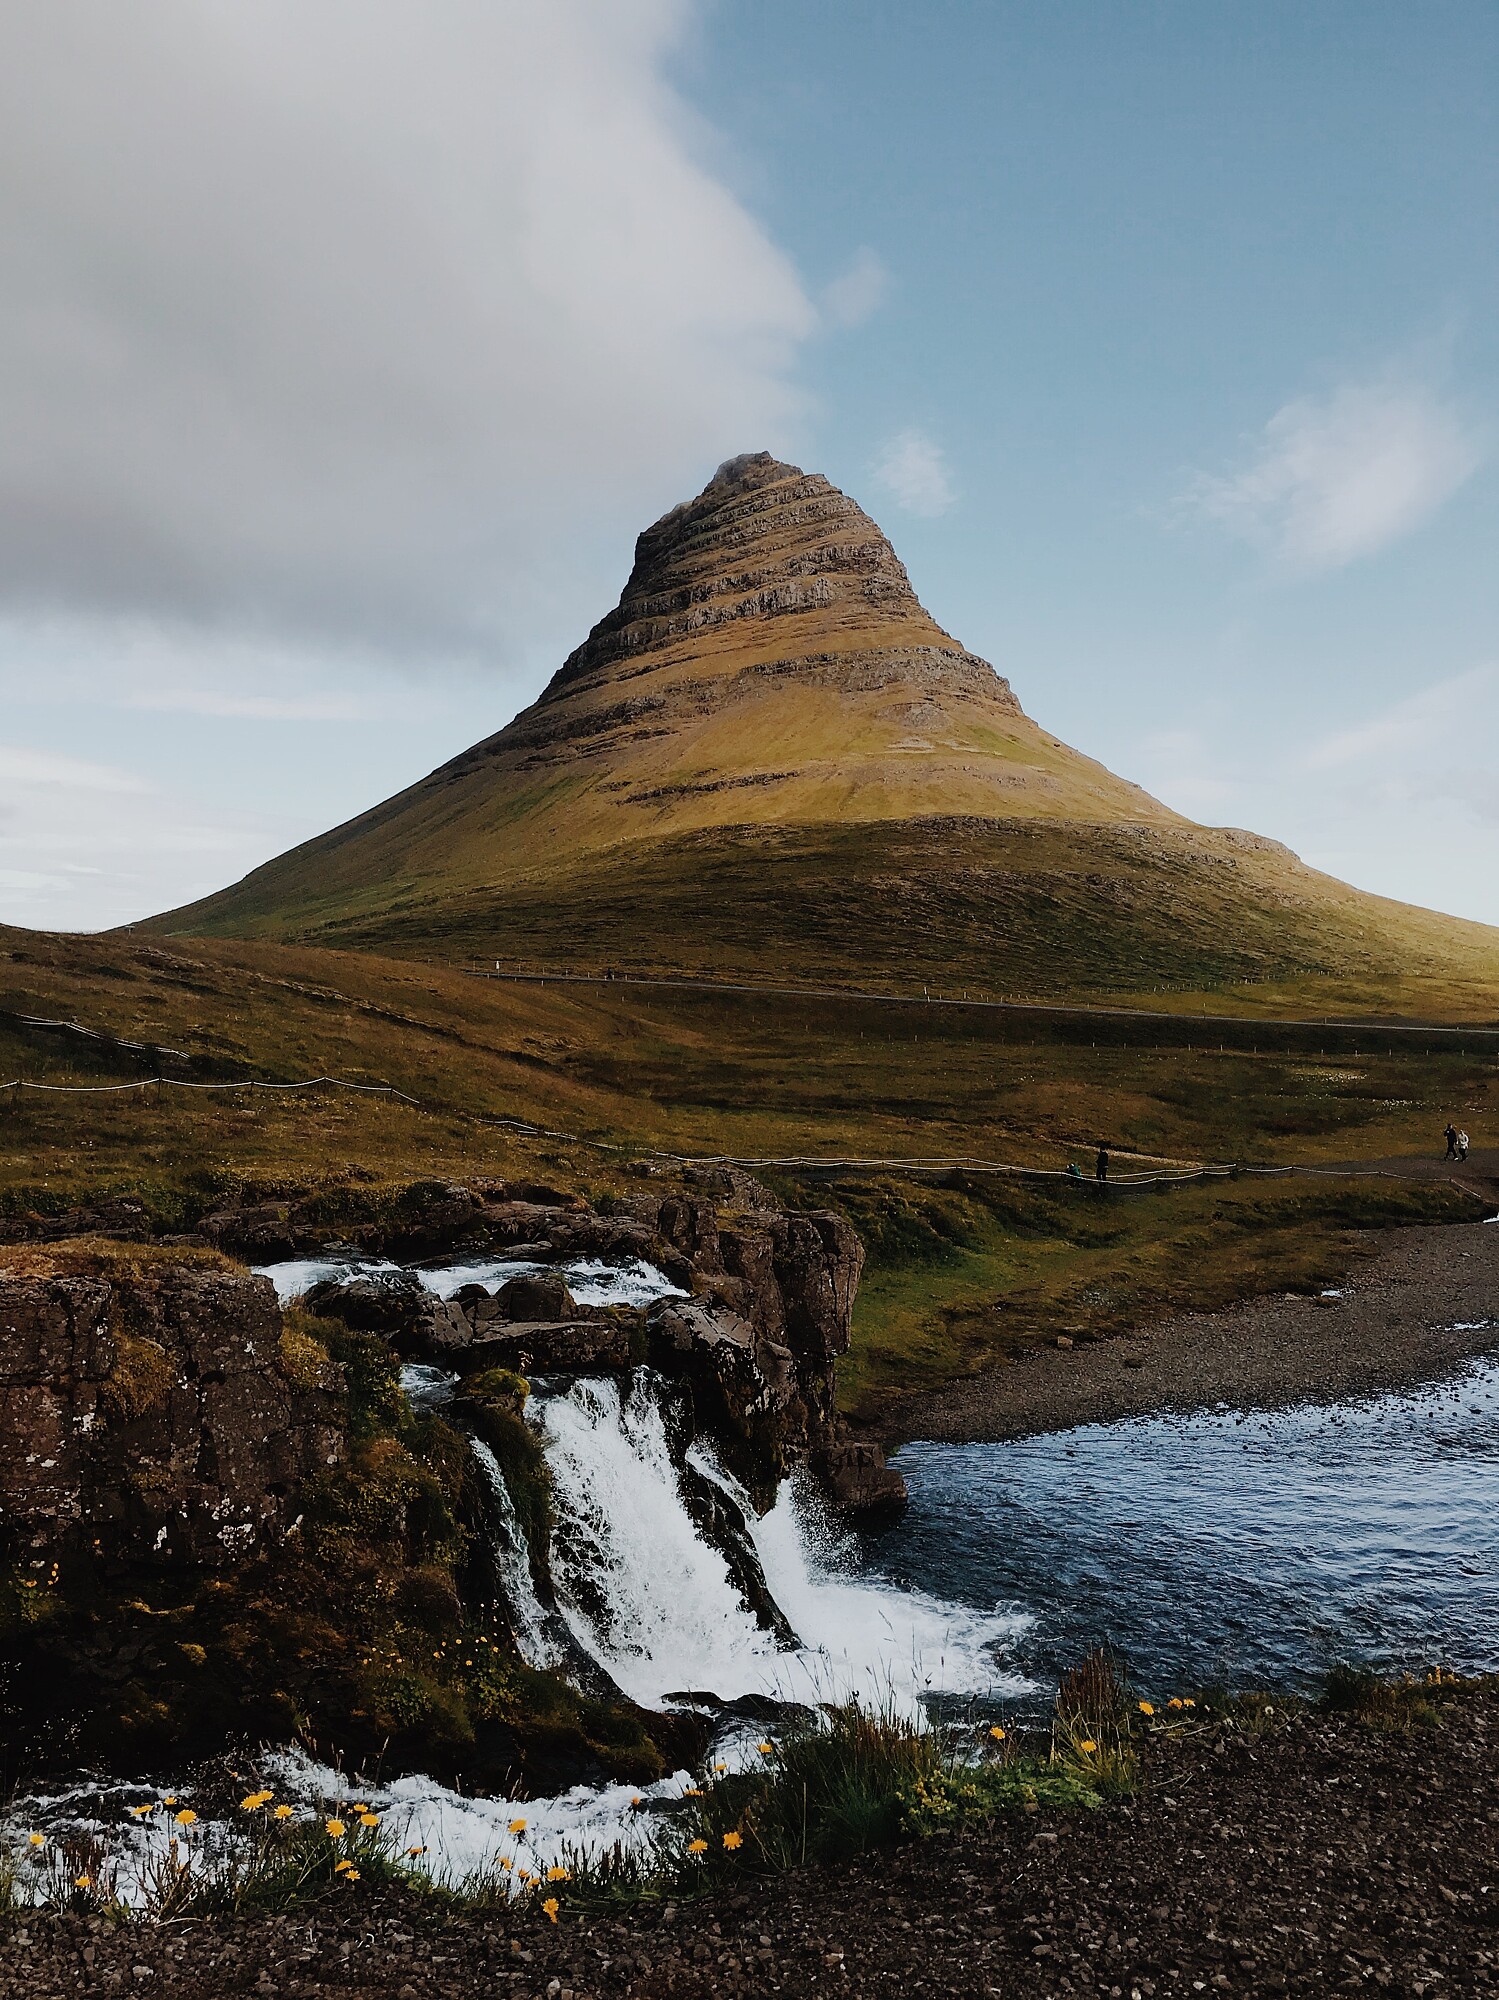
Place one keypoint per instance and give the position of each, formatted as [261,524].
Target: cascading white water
[641,1589]
[656,1605]
[528,1617]
[591,1281]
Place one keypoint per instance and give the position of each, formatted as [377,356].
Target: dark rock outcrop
[154,1405]
[543,1295]
[858,1481]
[596,1346]
[396,1305]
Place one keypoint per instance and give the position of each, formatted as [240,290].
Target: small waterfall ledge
[598,1515]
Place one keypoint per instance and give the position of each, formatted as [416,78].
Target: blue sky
[1160,338]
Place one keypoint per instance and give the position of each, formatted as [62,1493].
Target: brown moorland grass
[963,1268]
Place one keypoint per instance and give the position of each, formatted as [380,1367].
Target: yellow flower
[551,1906]
[253,1801]
[692,1792]
[523,1874]
[139,1812]
[733,1840]
[1087,1745]
[765,1748]
[1175,1702]
[1147,1708]
[1187,1702]
[187,1817]
[697,1847]
[997,1733]
[369,1819]
[517,1826]
[352,1875]
[342,1867]
[336,1828]
[36,1840]
[170,1799]
[556,1874]
[82,1882]
[506,1863]
[415,1851]
[637,1801]
[283,1812]
[720,1767]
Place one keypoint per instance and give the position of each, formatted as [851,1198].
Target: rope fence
[20,1083]
[793,1163]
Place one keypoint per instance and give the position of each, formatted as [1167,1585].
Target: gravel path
[1422,1301]
[1322,1857]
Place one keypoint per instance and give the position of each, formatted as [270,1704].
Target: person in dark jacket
[1450,1135]
[1101,1164]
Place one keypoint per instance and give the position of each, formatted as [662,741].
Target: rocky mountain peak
[762,539]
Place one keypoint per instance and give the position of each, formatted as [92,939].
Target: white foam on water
[640,1588]
[862,1635]
[656,1606]
[591,1281]
[300,1274]
[459,1837]
[490,1272]
[466,1836]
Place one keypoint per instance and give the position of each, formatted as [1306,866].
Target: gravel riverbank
[1414,1304]
[1322,1855]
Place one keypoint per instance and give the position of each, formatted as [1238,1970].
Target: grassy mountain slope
[769,753]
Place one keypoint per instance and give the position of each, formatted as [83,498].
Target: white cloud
[82,842]
[1403,801]
[360,320]
[857,291]
[27,770]
[913,471]
[1339,477]
[1440,720]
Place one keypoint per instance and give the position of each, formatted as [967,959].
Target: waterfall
[529,1619]
[656,1604]
[642,1590]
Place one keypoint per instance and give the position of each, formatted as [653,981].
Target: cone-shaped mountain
[770,756]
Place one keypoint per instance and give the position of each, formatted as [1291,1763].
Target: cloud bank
[1404,799]
[1340,477]
[332,317]
[912,469]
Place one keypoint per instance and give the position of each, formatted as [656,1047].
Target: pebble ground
[1323,1856]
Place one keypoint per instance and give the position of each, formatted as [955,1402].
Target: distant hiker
[1462,1146]
[1074,1171]
[1450,1135]
[1101,1164]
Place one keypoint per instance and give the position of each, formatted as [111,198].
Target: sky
[346,345]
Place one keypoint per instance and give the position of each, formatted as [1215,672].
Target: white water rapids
[670,1617]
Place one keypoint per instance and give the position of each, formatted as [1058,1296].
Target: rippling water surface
[1228,1547]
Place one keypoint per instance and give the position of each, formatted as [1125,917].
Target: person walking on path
[1450,1135]
[1101,1164]
[1462,1146]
